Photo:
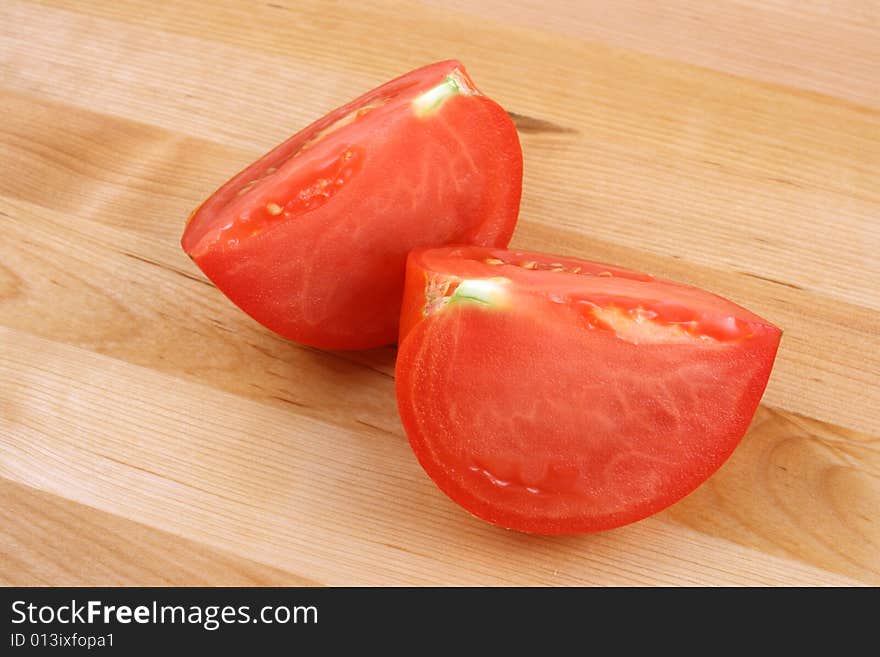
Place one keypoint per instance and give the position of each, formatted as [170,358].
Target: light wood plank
[854,12]
[47,540]
[807,45]
[820,46]
[797,487]
[322,502]
[108,290]
[169,439]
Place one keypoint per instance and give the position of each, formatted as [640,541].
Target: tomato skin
[534,419]
[315,248]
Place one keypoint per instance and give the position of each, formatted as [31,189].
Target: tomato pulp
[554,395]
[311,240]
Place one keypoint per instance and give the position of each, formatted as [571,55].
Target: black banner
[123,620]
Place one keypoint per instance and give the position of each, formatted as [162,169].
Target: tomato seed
[247,187]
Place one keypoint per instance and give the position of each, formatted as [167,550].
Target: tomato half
[554,395]
[311,240]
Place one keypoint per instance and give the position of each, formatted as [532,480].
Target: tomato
[554,395]
[311,240]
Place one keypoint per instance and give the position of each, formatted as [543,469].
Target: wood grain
[734,147]
[298,494]
[51,541]
[826,47]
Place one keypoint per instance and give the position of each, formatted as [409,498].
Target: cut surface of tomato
[311,240]
[554,395]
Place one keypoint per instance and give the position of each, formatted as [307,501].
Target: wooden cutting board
[151,433]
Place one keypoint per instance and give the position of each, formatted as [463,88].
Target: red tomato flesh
[553,395]
[311,240]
